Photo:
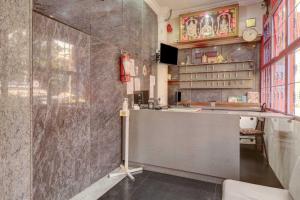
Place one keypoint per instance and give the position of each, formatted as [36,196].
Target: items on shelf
[200,56]
[253,97]
[204,58]
[237,99]
[217,75]
[188,60]
[212,56]
[220,58]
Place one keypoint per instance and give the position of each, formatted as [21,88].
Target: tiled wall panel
[15,72]
[61,110]
[77,94]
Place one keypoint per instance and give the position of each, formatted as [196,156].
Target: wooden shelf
[222,104]
[173,82]
[221,87]
[203,80]
[213,42]
[217,71]
[205,64]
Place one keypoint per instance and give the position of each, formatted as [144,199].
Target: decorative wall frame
[211,24]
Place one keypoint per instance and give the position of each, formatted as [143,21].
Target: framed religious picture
[216,23]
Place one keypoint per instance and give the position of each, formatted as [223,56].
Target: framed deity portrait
[211,24]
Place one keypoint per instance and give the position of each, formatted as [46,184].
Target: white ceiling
[189,4]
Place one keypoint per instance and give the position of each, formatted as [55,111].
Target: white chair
[237,190]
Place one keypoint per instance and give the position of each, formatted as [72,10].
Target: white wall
[251,11]
[283,144]
[162,69]
[162,83]
[161,86]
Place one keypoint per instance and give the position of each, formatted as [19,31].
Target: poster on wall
[130,87]
[137,84]
[212,24]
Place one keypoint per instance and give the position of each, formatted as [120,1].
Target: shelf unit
[234,75]
[173,82]
[213,42]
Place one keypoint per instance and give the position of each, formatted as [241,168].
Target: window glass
[263,86]
[278,86]
[279,29]
[294,20]
[294,83]
[268,86]
[267,30]
[297,99]
[267,52]
[273,3]
[280,89]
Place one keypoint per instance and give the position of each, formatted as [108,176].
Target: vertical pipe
[126,140]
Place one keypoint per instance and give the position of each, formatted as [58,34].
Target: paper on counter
[152,84]
[132,67]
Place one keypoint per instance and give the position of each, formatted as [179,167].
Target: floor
[156,186]
[254,168]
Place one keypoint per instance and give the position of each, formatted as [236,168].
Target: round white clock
[249,34]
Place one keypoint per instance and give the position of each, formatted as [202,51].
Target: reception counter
[186,142]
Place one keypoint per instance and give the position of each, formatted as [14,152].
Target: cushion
[236,190]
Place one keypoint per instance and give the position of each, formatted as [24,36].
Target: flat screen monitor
[168,54]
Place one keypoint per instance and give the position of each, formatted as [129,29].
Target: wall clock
[250,34]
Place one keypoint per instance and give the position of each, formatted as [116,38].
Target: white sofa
[237,190]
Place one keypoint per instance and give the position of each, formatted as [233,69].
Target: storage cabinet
[217,75]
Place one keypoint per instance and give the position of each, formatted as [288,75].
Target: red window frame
[281,54]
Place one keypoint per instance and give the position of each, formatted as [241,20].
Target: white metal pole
[126,140]
[125,168]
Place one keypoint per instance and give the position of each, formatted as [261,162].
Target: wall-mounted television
[168,54]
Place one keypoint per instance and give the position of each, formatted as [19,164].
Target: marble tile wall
[149,42]
[107,38]
[75,13]
[15,72]
[237,52]
[60,129]
[131,27]
[77,94]
[106,99]
[61,109]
